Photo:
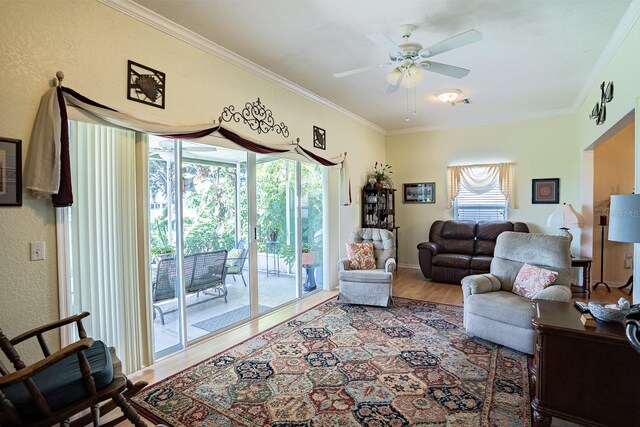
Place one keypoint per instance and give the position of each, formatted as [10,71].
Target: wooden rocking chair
[65,383]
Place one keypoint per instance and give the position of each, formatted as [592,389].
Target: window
[490,206]
[481,192]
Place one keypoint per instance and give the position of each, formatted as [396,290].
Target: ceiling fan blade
[382,40]
[360,70]
[394,87]
[447,70]
[454,42]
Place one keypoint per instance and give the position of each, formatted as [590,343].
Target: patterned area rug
[225,319]
[348,365]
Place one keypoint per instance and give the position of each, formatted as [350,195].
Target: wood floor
[409,283]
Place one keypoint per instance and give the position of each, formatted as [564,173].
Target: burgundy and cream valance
[47,170]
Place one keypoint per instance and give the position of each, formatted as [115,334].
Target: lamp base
[564,232]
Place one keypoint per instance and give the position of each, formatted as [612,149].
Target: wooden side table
[585,264]
[589,376]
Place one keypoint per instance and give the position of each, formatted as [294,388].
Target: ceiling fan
[165,148]
[409,59]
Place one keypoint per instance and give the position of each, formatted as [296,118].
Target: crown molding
[510,119]
[161,23]
[627,22]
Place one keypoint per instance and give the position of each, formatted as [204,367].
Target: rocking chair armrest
[31,370]
[49,326]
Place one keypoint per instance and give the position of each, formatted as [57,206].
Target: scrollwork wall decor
[599,112]
[256,116]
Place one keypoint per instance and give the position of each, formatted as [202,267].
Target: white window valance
[480,179]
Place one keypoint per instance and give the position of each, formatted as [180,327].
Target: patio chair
[236,260]
[203,272]
[65,383]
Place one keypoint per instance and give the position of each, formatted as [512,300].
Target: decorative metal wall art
[599,112]
[319,138]
[145,85]
[256,116]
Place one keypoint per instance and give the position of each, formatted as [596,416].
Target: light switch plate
[37,251]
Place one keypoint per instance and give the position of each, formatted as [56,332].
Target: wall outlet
[37,251]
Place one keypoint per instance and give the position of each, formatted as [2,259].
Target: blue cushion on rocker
[61,384]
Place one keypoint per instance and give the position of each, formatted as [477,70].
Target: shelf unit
[379,210]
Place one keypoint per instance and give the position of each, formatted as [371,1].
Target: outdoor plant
[382,173]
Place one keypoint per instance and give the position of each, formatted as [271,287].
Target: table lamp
[565,217]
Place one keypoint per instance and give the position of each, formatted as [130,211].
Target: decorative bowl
[600,312]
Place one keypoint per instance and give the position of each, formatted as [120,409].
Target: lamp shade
[565,217]
[624,218]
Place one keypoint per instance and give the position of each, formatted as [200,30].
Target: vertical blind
[102,230]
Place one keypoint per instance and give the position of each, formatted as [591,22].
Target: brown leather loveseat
[457,249]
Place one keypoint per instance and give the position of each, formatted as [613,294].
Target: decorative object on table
[339,364]
[545,190]
[255,115]
[10,172]
[145,84]
[608,312]
[564,218]
[624,222]
[319,138]
[599,112]
[603,224]
[633,330]
[588,320]
[382,174]
[422,192]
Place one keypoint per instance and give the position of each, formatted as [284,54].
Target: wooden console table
[590,376]
[585,264]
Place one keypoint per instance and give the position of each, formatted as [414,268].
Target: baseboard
[413,266]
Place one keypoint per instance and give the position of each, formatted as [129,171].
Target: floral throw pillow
[532,279]
[361,256]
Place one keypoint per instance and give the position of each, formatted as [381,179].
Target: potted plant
[382,174]
[308,254]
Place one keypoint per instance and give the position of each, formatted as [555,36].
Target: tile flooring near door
[206,314]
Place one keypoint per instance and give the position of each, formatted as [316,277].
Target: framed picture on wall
[545,190]
[422,192]
[10,172]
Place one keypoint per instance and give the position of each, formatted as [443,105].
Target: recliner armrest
[343,264]
[554,293]
[480,284]
[390,265]
[434,248]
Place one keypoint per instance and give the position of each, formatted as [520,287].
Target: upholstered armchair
[492,311]
[371,286]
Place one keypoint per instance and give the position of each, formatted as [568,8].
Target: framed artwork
[422,192]
[10,172]
[545,190]
[319,138]
[145,84]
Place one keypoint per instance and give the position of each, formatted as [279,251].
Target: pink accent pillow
[532,279]
[361,256]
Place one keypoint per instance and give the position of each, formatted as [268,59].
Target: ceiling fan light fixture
[448,96]
[393,76]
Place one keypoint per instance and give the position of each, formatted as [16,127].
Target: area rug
[225,319]
[349,365]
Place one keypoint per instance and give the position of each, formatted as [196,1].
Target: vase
[372,182]
[379,184]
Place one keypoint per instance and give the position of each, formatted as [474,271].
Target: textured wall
[91,43]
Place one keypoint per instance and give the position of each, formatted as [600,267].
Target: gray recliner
[369,287]
[492,311]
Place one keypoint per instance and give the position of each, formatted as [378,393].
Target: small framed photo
[545,190]
[422,192]
[10,172]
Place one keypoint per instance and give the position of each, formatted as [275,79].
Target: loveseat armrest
[434,248]
[390,265]
[480,284]
[343,264]
[554,293]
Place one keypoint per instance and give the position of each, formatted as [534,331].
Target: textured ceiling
[534,59]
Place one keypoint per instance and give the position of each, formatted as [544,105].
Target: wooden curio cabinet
[379,208]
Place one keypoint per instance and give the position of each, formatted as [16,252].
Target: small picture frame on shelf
[421,192]
[545,190]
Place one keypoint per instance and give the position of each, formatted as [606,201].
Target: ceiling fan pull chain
[407,115]
[415,108]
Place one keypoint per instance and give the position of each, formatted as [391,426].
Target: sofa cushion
[452,260]
[502,306]
[479,262]
[360,256]
[532,279]
[458,237]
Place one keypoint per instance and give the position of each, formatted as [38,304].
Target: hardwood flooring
[409,283]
